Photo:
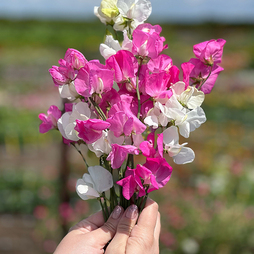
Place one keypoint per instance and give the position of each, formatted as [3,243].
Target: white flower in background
[190,97]
[134,11]
[67,122]
[93,184]
[190,246]
[179,153]
[111,46]
[107,11]
[68,91]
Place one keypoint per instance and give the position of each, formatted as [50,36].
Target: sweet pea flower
[209,52]
[94,78]
[125,66]
[132,13]
[107,11]
[187,68]
[49,121]
[121,124]
[111,46]
[155,172]
[67,122]
[90,130]
[187,121]
[160,64]
[129,106]
[108,99]
[93,184]
[147,41]
[156,87]
[169,139]
[119,154]
[203,76]
[147,146]
[68,91]
[63,74]
[189,97]
[131,183]
[75,58]
[103,144]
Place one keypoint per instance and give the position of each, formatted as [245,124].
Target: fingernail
[117,211]
[132,212]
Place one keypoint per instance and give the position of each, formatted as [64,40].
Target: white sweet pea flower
[103,144]
[186,120]
[93,184]
[190,97]
[67,122]
[68,91]
[179,153]
[107,11]
[137,11]
[111,46]
[152,118]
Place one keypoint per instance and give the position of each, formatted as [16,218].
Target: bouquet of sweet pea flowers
[133,105]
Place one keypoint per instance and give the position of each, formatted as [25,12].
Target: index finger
[89,224]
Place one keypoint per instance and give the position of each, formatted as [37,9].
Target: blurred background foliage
[207,206]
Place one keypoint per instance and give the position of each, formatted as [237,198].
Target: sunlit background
[207,207]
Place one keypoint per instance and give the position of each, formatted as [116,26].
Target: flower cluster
[135,104]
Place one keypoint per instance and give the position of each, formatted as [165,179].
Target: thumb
[106,232]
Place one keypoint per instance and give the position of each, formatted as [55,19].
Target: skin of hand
[92,234]
[141,238]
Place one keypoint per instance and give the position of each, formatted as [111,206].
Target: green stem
[137,88]
[80,154]
[98,109]
[142,205]
[103,211]
[203,82]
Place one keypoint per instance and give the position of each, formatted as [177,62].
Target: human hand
[90,236]
[141,238]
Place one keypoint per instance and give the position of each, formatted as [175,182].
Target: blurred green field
[207,206]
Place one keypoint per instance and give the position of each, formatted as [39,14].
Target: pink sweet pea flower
[147,41]
[93,78]
[50,121]
[63,74]
[91,129]
[119,154]
[155,172]
[174,75]
[187,68]
[156,87]
[209,52]
[147,147]
[200,73]
[131,184]
[75,58]
[129,106]
[159,64]
[124,64]
[121,124]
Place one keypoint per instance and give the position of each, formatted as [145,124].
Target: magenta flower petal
[91,129]
[49,121]
[119,154]
[75,58]
[209,52]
